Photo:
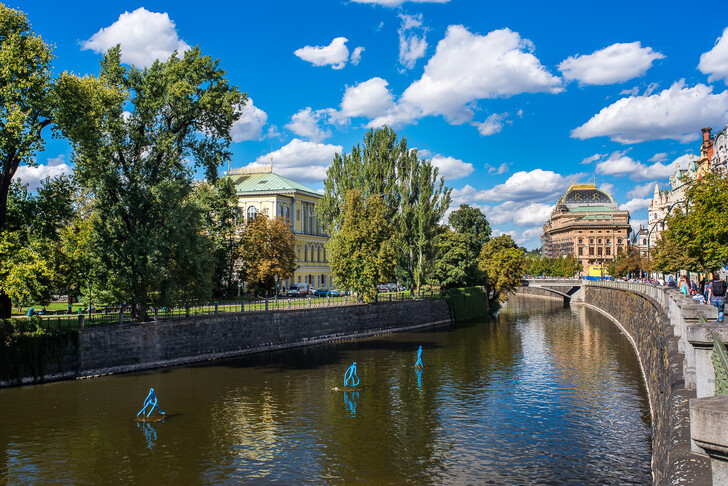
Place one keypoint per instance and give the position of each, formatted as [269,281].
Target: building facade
[587,223]
[261,191]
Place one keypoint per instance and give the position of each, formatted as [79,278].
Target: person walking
[716,295]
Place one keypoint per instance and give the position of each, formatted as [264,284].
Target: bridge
[566,288]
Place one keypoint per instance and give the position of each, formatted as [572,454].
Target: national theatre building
[587,223]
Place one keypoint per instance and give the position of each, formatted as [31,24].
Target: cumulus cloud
[368,99]
[658,157]
[469,67]
[619,164]
[335,54]
[636,204]
[250,124]
[492,125]
[33,176]
[642,191]
[300,160]
[714,63]
[501,169]
[537,185]
[307,123]
[671,114]
[452,168]
[412,42]
[607,187]
[637,224]
[144,37]
[397,3]
[530,237]
[613,64]
[591,158]
[528,214]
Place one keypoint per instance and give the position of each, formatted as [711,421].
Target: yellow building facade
[261,191]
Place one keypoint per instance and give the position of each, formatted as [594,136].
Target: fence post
[345,299]
[81,322]
[155,313]
[328,300]
[242,306]
[309,301]
[266,304]
[216,308]
[289,303]
[121,315]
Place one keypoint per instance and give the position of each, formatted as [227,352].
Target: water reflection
[540,395]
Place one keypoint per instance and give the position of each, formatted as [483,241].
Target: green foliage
[27,348]
[567,266]
[137,134]
[222,222]
[471,221]
[363,250]
[467,303]
[628,262]
[503,266]
[455,262]
[413,198]
[697,239]
[25,108]
[267,252]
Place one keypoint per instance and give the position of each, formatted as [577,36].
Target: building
[261,191]
[587,223]
[719,158]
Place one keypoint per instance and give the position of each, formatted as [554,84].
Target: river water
[540,395]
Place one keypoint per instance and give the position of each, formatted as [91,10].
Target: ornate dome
[586,195]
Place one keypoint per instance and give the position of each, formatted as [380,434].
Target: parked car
[322,292]
[298,289]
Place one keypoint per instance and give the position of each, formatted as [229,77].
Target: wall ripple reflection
[540,395]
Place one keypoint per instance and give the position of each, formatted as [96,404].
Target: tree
[25,275]
[222,221]
[363,251]
[628,262]
[136,136]
[455,265]
[267,252]
[698,237]
[25,105]
[471,221]
[503,265]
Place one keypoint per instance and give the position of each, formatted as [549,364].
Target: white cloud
[613,64]
[618,164]
[536,186]
[715,61]
[671,114]
[519,213]
[300,161]
[642,191]
[658,157]
[144,37]
[397,3]
[468,67]
[607,187]
[33,176]
[532,236]
[452,168]
[412,45]
[492,125]
[501,169]
[250,124]
[636,204]
[335,54]
[368,99]
[639,223]
[630,92]
[306,123]
[356,55]
[591,158]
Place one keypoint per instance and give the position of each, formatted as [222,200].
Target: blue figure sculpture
[150,435]
[350,377]
[418,372]
[350,402]
[419,363]
[151,400]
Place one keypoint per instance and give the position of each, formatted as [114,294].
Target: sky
[512,101]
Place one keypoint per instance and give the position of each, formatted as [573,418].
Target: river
[540,395]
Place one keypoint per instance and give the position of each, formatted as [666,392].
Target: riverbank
[132,347]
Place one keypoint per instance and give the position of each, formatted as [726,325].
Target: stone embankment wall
[539,292]
[154,344]
[647,325]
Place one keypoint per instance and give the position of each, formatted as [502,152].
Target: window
[299,255]
[609,241]
[288,214]
[580,241]
[591,241]
[608,251]
[599,251]
[591,251]
[599,241]
[252,212]
[581,251]
[644,241]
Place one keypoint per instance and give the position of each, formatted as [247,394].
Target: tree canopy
[267,251]
[503,266]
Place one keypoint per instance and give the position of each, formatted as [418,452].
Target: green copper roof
[268,183]
[592,209]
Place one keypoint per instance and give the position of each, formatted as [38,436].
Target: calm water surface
[541,395]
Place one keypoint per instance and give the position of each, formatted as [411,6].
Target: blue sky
[512,100]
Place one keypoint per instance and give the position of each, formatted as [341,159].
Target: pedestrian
[716,295]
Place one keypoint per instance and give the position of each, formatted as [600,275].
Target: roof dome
[586,195]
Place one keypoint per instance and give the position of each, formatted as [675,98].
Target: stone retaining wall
[132,347]
[539,292]
[647,325]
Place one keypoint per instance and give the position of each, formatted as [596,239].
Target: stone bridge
[566,288]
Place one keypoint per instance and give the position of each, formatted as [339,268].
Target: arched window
[318,254]
[252,212]
[288,214]
[280,210]
[299,255]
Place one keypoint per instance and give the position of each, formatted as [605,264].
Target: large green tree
[455,263]
[471,221]
[503,265]
[137,136]
[25,104]
[363,251]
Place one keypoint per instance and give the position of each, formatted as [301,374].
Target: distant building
[587,223]
[719,157]
[261,191]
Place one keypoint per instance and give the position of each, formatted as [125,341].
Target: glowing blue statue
[419,363]
[350,402]
[151,400]
[350,378]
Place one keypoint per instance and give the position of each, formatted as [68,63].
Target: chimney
[706,136]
